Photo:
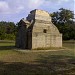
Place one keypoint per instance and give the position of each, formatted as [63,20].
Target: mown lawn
[13,62]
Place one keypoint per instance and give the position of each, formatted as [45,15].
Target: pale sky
[14,10]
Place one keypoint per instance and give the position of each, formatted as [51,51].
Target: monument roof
[40,12]
[27,22]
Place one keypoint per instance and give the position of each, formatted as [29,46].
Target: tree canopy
[7,30]
[64,20]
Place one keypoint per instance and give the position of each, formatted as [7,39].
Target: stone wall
[37,31]
[42,40]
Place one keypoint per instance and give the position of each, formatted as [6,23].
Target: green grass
[69,44]
[13,62]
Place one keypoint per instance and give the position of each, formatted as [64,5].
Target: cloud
[3,7]
[17,6]
[58,0]
[14,10]
[35,3]
[10,7]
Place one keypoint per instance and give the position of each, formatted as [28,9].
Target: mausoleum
[37,31]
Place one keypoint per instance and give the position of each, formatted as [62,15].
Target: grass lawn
[13,62]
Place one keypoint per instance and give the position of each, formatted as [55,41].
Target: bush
[10,37]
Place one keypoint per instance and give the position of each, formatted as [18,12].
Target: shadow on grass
[50,65]
[7,47]
[58,64]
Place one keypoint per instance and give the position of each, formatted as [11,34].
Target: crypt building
[37,31]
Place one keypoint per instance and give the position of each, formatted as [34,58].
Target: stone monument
[37,31]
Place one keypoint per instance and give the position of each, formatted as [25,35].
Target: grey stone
[37,31]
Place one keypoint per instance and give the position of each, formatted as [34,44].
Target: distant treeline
[63,19]
[7,30]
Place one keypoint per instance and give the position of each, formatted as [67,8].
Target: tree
[7,30]
[63,19]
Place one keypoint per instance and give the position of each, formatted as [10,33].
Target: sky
[14,10]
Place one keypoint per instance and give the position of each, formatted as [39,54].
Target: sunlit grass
[69,44]
[59,62]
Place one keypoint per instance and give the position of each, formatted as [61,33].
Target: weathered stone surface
[37,31]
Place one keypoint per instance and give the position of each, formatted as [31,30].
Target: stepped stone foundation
[37,31]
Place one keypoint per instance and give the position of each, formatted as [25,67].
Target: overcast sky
[14,10]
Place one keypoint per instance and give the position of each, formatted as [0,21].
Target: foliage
[64,20]
[7,30]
